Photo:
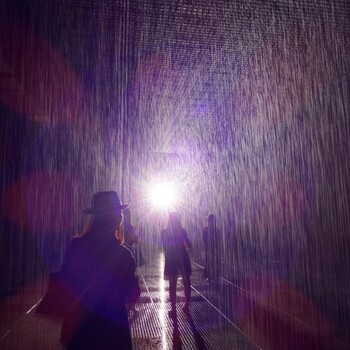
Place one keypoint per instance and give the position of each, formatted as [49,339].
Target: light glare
[163,196]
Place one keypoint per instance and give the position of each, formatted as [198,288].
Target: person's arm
[205,236]
[186,240]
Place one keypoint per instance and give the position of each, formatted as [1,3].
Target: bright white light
[163,196]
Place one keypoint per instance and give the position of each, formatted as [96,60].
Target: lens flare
[163,196]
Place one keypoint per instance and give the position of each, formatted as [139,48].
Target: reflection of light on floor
[162,310]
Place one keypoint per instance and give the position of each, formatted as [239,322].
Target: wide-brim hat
[105,202]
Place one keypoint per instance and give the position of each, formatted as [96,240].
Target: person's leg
[205,272]
[187,287]
[218,262]
[172,292]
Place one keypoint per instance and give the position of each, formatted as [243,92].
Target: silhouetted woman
[100,274]
[177,261]
[213,250]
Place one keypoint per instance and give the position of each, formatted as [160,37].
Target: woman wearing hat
[177,261]
[100,274]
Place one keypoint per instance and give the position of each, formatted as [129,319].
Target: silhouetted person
[213,250]
[177,261]
[131,237]
[100,273]
[234,248]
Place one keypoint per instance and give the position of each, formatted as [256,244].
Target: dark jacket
[100,273]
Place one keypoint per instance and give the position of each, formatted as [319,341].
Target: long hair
[174,222]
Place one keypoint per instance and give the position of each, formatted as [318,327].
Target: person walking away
[213,251]
[177,261]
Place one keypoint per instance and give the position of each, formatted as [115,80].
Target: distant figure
[100,274]
[131,237]
[213,250]
[177,261]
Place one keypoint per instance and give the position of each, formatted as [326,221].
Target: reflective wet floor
[220,318]
[205,328]
[152,328]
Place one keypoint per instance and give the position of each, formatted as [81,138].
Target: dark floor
[215,321]
[207,328]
